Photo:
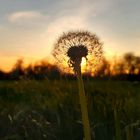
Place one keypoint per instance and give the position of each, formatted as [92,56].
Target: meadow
[49,109]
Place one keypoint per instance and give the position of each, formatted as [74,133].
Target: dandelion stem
[83,104]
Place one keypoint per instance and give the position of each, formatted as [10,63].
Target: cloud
[25,16]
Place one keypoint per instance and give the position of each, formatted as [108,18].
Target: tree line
[125,68]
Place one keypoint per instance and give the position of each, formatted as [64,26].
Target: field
[49,109]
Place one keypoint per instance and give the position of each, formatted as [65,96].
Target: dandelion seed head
[72,46]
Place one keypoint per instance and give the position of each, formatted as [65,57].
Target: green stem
[83,104]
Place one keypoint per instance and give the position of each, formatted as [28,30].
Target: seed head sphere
[72,46]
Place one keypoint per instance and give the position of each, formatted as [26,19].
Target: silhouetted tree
[2,75]
[131,66]
[17,71]
[104,69]
[129,62]
[137,65]
[29,72]
[127,68]
[41,71]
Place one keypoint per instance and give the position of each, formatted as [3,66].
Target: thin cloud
[23,16]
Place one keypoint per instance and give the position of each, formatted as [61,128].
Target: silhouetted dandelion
[69,50]
[71,47]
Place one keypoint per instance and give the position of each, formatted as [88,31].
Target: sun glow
[83,64]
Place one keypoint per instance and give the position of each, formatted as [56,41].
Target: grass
[49,110]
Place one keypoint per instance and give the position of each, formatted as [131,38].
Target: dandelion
[69,50]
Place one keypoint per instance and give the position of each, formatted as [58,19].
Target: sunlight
[83,64]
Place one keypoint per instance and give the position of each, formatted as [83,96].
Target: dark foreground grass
[49,110]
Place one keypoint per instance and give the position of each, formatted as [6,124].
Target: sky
[29,28]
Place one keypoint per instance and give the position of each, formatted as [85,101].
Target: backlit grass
[50,110]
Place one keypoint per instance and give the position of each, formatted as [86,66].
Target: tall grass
[49,110]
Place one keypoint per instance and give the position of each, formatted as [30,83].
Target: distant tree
[127,67]
[132,63]
[104,69]
[17,71]
[129,63]
[118,68]
[2,75]
[29,72]
[42,70]
[54,72]
[137,65]
[131,66]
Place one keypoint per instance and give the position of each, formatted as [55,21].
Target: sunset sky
[29,28]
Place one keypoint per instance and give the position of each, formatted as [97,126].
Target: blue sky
[29,28]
